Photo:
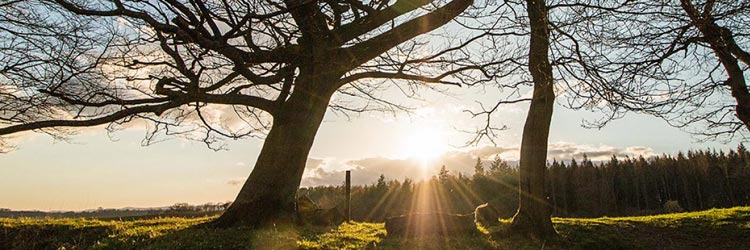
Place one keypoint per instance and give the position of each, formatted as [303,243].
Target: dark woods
[696,180]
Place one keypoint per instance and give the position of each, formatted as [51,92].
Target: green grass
[712,229]
[354,235]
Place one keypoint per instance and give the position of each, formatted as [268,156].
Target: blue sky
[94,171]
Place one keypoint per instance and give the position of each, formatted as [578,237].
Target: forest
[692,181]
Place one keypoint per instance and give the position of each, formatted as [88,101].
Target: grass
[712,229]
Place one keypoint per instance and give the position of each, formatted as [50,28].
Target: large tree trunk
[736,83]
[533,215]
[723,44]
[268,195]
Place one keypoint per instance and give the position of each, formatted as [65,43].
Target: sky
[95,169]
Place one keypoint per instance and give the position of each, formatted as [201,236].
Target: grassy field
[712,229]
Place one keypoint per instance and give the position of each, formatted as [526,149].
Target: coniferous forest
[691,181]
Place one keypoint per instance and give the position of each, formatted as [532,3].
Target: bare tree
[208,70]
[533,215]
[520,34]
[680,60]
[662,58]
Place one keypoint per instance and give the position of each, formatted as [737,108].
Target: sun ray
[385,199]
[467,195]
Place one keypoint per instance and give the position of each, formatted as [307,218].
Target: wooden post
[348,195]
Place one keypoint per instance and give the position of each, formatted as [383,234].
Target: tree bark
[533,215]
[729,53]
[268,195]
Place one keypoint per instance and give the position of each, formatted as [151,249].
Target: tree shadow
[150,233]
[655,233]
[205,236]
[41,236]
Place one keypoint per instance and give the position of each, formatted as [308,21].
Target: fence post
[348,195]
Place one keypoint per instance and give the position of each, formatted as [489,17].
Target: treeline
[178,210]
[697,180]
[690,181]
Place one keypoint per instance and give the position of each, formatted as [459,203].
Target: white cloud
[236,181]
[330,171]
[566,151]
[5,147]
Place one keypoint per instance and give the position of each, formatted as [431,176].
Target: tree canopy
[87,63]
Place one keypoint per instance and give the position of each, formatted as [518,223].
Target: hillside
[711,229]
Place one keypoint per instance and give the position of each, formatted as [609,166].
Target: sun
[425,145]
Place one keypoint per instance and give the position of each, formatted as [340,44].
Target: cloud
[368,170]
[487,151]
[10,143]
[236,181]
[331,171]
[364,171]
[5,147]
[567,151]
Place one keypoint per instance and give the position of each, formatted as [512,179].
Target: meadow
[711,229]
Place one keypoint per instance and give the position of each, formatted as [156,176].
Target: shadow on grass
[50,236]
[200,236]
[713,229]
[152,233]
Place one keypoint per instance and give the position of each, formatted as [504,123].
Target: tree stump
[430,224]
[309,213]
[486,214]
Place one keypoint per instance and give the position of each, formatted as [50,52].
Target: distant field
[712,229]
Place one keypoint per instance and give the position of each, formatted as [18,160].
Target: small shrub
[672,206]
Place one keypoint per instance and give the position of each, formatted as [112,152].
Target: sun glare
[425,145]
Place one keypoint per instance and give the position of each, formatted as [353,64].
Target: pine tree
[499,167]
[478,169]
[381,182]
[443,174]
